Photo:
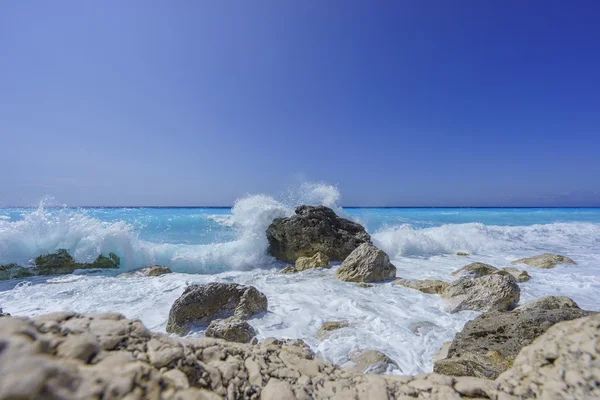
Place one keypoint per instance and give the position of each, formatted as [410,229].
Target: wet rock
[204,303]
[544,261]
[314,229]
[519,275]
[61,263]
[549,303]
[231,329]
[319,260]
[366,264]
[330,326]
[488,345]
[371,362]
[476,270]
[487,293]
[429,286]
[462,253]
[14,271]
[155,270]
[365,285]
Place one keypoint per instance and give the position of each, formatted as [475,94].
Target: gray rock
[314,229]
[366,263]
[61,263]
[204,303]
[155,270]
[487,293]
[14,271]
[519,275]
[476,270]
[371,362]
[231,329]
[429,286]
[329,327]
[549,303]
[488,345]
[544,261]
[319,260]
[462,253]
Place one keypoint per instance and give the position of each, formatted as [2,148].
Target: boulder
[430,286]
[544,261]
[231,329]
[314,229]
[319,260]
[462,253]
[476,270]
[204,303]
[488,345]
[488,293]
[366,263]
[14,271]
[519,275]
[330,326]
[370,362]
[61,263]
[548,303]
[155,270]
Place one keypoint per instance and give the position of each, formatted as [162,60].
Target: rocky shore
[546,348]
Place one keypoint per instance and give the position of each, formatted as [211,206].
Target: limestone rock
[476,270]
[62,262]
[487,293]
[549,303]
[314,229]
[371,362]
[155,270]
[204,303]
[544,261]
[366,263]
[319,260]
[330,326]
[519,275]
[488,345]
[231,329]
[429,286]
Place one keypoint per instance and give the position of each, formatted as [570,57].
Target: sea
[228,244]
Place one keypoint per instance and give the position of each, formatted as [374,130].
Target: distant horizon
[343,206]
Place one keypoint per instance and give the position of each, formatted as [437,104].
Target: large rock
[314,229]
[366,263]
[476,270]
[330,326]
[204,303]
[105,356]
[371,362]
[548,303]
[62,262]
[488,293]
[429,286]
[544,261]
[319,260]
[155,270]
[488,345]
[231,329]
[519,275]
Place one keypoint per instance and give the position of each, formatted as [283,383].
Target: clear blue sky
[396,102]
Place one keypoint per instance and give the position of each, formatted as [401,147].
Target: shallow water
[228,245]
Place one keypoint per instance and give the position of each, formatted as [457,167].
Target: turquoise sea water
[229,245]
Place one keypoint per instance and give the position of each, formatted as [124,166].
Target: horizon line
[353,206]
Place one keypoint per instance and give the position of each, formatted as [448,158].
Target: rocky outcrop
[105,356]
[328,327]
[155,270]
[544,261]
[366,263]
[549,303]
[430,286]
[314,229]
[204,303]
[488,345]
[476,270]
[370,362]
[231,329]
[488,293]
[14,271]
[319,260]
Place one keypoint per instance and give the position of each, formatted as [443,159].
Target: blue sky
[395,102]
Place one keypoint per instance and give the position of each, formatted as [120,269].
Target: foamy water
[229,245]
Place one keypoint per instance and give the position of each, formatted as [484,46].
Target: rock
[462,253]
[366,264]
[487,293]
[204,303]
[3,314]
[549,303]
[14,271]
[544,261]
[365,285]
[371,362]
[330,326]
[519,275]
[314,229]
[131,363]
[231,329]
[488,345]
[155,270]
[429,286]
[319,260]
[61,263]
[561,364]
[476,270]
